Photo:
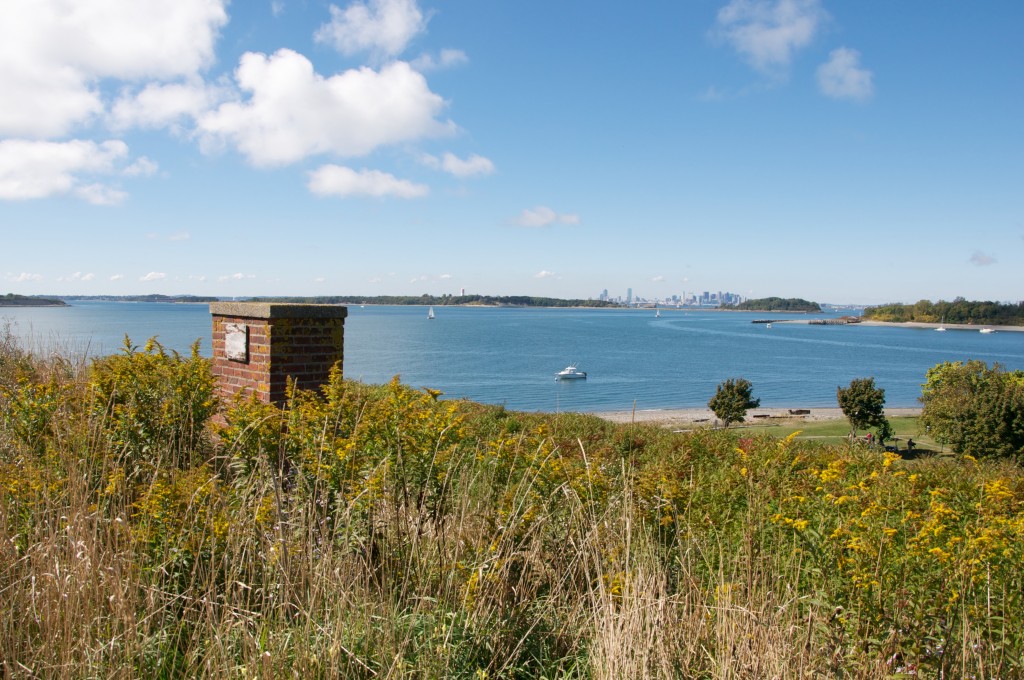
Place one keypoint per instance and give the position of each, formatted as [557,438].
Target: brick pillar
[258,346]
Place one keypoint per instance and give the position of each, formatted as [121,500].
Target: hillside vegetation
[957,311]
[440,300]
[12,300]
[776,304]
[379,531]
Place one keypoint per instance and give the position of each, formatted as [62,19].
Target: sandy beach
[698,416]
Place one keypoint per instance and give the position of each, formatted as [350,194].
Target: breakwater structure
[258,347]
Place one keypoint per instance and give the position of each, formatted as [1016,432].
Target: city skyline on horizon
[860,154]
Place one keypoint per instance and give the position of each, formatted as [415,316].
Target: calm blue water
[510,356]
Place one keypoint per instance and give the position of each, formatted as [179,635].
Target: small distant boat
[430,313]
[570,372]
[657,313]
[942,325]
[986,330]
[767,325]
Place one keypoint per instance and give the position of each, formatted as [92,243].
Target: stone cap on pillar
[277,310]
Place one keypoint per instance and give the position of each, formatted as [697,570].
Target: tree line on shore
[975,409]
[958,311]
[438,300]
[777,304]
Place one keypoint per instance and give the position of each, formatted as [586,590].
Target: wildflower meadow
[380,531]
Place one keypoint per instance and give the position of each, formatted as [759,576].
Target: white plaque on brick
[236,342]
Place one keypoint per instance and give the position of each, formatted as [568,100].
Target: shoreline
[948,326]
[701,416]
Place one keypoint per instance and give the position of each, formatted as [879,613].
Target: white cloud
[543,274]
[445,277]
[23,277]
[981,259]
[197,277]
[142,167]
[237,276]
[277,8]
[768,32]
[337,180]
[77,276]
[293,112]
[54,55]
[179,236]
[30,169]
[100,194]
[449,162]
[382,28]
[153,276]
[841,77]
[159,105]
[447,58]
[542,216]
[658,279]
[117,277]
[375,279]
[319,279]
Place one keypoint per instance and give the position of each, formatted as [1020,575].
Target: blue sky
[859,152]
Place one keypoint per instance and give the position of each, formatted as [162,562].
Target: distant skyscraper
[629,296]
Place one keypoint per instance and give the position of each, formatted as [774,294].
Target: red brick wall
[301,342]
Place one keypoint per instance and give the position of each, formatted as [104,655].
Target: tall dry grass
[377,532]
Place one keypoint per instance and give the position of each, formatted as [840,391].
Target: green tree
[732,400]
[975,409]
[863,404]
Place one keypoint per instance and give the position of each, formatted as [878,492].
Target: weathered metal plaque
[236,342]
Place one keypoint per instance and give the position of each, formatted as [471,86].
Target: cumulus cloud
[293,112]
[449,162]
[842,77]
[31,169]
[237,276]
[658,279]
[980,259]
[100,194]
[767,32]
[337,180]
[543,274]
[159,105]
[447,58]
[117,277]
[542,216]
[23,277]
[153,276]
[445,277]
[54,55]
[142,167]
[381,28]
[77,276]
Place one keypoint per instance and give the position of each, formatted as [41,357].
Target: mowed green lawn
[836,431]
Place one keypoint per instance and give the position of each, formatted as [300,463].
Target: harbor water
[510,356]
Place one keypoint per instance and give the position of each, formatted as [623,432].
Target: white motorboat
[941,329]
[986,330]
[570,372]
